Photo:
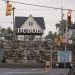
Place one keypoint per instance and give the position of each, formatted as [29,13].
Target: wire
[38,5]
[6,22]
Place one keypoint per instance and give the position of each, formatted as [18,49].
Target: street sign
[64,56]
[70,41]
[47,65]
[47,62]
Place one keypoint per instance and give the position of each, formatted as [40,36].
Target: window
[33,30]
[16,30]
[73,34]
[30,23]
[29,30]
[25,31]
[21,30]
[36,30]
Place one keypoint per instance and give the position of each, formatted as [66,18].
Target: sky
[51,16]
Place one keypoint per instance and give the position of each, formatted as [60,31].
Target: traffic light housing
[69,17]
[8,9]
[59,39]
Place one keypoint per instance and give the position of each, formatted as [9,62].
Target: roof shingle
[20,20]
[71,26]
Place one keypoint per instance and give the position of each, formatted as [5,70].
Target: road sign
[47,62]
[47,66]
[70,41]
[64,56]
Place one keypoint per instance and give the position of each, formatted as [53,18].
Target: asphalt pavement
[32,71]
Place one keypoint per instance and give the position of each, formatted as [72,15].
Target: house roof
[20,20]
[71,26]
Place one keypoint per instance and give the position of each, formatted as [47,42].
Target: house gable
[19,21]
[30,23]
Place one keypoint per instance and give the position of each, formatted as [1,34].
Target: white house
[70,32]
[29,27]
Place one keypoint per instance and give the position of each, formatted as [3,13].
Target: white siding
[71,32]
[20,37]
[31,27]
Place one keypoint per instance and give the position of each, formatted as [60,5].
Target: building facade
[28,28]
[70,33]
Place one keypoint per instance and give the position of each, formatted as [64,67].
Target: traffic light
[8,9]
[56,40]
[59,39]
[69,17]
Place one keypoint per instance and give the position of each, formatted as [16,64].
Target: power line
[6,22]
[39,5]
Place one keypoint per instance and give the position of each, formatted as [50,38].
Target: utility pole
[66,37]
[66,33]
[61,20]
[67,23]
[13,23]
[62,14]
[51,56]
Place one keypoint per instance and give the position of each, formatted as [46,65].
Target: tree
[9,31]
[3,31]
[61,26]
[55,35]
[51,35]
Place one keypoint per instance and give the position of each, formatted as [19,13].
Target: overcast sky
[51,16]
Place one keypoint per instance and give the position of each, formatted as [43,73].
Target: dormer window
[30,23]
[33,30]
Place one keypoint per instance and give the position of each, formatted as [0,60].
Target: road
[33,71]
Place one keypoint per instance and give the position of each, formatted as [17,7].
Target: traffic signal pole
[66,40]
[66,33]
[62,14]
[8,13]
[13,19]
[14,23]
[67,23]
